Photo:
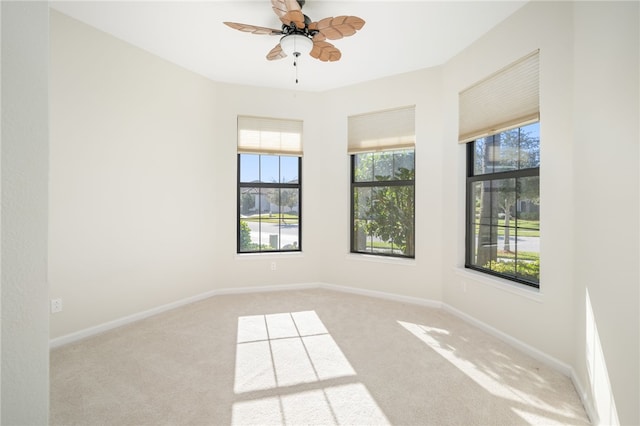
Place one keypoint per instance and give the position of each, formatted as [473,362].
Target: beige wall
[143,181]
[24,368]
[132,175]
[543,320]
[143,187]
[414,278]
[589,185]
[606,137]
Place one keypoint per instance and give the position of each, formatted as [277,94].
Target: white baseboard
[585,397]
[543,357]
[383,295]
[101,328]
[266,289]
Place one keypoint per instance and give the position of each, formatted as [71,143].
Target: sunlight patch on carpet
[496,374]
[277,352]
[286,349]
[350,404]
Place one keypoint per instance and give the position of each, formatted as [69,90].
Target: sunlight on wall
[496,373]
[603,400]
[287,366]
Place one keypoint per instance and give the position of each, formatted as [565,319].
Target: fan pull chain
[295,64]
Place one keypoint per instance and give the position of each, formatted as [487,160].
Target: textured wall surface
[25,315]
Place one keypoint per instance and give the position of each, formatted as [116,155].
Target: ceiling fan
[301,35]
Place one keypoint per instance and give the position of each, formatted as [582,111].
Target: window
[382,203]
[503,205]
[381,145]
[269,185]
[499,121]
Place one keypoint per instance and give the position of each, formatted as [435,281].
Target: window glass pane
[362,203]
[528,265]
[249,202]
[511,150]
[528,202]
[361,207]
[505,257]
[485,246]
[249,167]
[504,214]
[360,235]
[505,153]
[269,168]
[530,146]
[383,165]
[404,165]
[481,165]
[383,218]
[496,203]
[289,169]
[249,231]
[392,221]
[269,219]
[504,193]
[487,202]
[363,167]
[473,215]
[289,218]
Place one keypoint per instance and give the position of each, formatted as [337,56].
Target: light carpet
[304,357]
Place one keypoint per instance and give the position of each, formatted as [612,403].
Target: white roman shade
[382,131]
[259,135]
[505,100]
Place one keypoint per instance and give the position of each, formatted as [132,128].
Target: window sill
[268,255]
[381,259]
[512,287]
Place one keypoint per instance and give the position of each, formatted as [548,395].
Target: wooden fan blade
[289,12]
[276,53]
[325,51]
[338,27]
[319,37]
[253,29]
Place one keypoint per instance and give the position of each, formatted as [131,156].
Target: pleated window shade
[382,131]
[505,100]
[259,135]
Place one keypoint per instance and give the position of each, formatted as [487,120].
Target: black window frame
[472,178]
[268,185]
[378,183]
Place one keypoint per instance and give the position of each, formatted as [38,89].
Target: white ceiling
[399,36]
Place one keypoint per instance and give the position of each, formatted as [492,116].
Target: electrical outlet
[273,266]
[56,306]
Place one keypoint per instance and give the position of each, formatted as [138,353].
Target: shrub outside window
[382,203]
[503,205]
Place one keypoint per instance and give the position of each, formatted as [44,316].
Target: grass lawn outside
[272,218]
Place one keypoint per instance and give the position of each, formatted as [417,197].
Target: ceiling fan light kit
[301,35]
[296,44]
